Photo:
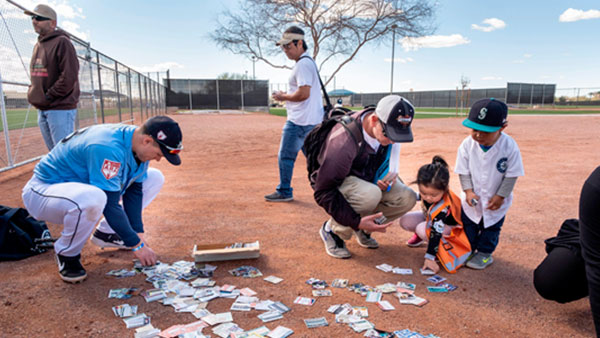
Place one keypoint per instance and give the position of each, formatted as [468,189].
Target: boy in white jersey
[488,163]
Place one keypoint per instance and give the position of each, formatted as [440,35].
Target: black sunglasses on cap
[39,18]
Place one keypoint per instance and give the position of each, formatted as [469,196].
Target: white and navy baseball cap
[487,115]
[166,132]
[397,114]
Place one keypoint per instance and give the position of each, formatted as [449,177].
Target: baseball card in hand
[380,220]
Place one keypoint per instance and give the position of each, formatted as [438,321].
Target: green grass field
[23,118]
[424,113]
[19,118]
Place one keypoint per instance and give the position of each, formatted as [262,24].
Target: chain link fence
[110,91]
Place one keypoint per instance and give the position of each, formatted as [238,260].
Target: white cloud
[399,60]
[73,28]
[572,14]
[159,67]
[433,41]
[491,78]
[66,11]
[527,55]
[490,24]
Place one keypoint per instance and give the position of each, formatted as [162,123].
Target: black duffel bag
[21,236]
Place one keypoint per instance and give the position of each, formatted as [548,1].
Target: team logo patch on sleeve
[110,169]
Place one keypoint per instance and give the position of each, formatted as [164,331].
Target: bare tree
[338,29]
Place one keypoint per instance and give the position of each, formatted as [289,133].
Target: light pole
[253,69]
[394,26]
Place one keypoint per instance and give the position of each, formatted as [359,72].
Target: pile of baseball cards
[189,288]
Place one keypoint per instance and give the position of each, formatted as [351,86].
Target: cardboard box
[225,252]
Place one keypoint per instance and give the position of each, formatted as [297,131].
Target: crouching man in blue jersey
[87,174]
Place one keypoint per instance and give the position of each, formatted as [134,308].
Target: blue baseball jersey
[99,155]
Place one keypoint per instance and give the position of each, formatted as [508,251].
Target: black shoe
[277,197]
[104,240]
[70,269]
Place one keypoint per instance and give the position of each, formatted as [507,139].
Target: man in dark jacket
[357,182]
[54,69]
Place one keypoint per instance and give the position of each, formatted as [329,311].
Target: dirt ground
[216,195]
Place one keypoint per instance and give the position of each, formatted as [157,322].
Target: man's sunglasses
[171,150]
[383,128]
[289,45]
[39,18]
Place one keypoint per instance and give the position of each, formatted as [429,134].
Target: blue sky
[490,42]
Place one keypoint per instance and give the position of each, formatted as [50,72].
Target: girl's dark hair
[434,174]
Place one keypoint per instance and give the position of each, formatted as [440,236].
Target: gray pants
[366,199]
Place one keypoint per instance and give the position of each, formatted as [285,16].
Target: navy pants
[482,239]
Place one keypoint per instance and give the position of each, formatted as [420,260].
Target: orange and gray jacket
[54,72]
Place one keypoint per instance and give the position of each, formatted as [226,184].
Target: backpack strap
[320,81]
[354,127]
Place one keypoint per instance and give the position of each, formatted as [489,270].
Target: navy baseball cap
[397,114]
[165,131]
[487,115]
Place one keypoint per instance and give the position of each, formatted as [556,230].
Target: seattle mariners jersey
[487,170]
[99,155]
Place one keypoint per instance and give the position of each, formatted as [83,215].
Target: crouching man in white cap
[357,181]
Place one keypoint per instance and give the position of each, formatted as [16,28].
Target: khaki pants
[367,199]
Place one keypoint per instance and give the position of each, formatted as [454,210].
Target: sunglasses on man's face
[39,18]
[383,128]
[288,45]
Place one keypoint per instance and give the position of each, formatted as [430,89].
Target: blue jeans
[55,125]
[292,139]
[482,239]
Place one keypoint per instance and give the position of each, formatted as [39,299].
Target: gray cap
[43,10]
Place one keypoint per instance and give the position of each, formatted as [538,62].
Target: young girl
[440,221]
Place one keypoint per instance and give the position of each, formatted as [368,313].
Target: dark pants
[564,276]
[589,227]
[561,276]
[482,239]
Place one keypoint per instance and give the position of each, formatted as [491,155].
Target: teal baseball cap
[487,115]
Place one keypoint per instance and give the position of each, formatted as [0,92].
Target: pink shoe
[414,241]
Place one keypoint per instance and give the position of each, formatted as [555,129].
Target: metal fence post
[141,99]
[190,93]
[100,85]
[151,94]
[5,124]
[118,90]
[89,58]
[531,96]
[129,93]
[146,101]
[218,94]
[543,93]
[242,87]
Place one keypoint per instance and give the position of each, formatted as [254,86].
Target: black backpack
[314,141]
[21,236]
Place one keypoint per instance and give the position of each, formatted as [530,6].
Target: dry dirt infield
[216,195]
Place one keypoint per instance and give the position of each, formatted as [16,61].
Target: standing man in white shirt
[304,105]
